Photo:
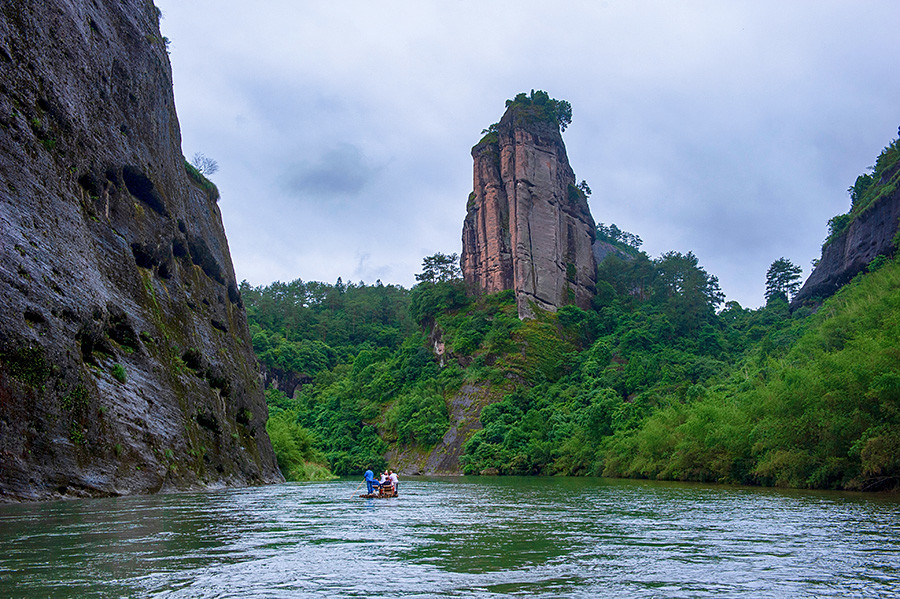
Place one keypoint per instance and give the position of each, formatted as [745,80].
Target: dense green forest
[658,379]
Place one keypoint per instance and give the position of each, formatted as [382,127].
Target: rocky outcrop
[528,227]
[602,249]
[125,359]
[870,234]
[443,459]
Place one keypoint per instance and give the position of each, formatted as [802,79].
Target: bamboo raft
[383,492]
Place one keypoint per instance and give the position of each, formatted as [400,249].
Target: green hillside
[657,380]
[823,411]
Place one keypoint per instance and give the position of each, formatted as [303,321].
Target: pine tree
[782,279]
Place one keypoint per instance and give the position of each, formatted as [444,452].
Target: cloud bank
[343,131]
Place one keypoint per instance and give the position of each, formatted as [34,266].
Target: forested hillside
[375,379]
[657,379]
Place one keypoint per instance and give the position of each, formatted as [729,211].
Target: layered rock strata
[871,234]
[528,227]
[125,359]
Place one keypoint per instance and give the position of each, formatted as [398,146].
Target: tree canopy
[440,268]
[544,107]
[782,279]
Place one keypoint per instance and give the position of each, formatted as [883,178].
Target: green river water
[457,537]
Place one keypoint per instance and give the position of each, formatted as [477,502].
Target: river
[457,537]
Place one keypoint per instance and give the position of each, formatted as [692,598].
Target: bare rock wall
[125,359]
[528,228]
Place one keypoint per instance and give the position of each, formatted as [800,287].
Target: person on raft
[370,481]
[394,479]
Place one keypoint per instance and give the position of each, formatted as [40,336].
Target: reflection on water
[461,537]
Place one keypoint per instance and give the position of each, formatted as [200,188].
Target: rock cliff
[602,249]
[870,234]
[125,360]
[528,227]
[464,410]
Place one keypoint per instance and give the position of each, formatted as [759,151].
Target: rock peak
[528,227]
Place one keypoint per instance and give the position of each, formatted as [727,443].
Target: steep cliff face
[870,234]
[125,361]
[527,227]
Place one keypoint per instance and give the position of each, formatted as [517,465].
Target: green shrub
[539,106]
[295,449]
[118,372]
[212,192]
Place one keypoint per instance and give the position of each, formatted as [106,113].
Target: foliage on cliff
[540,106]
[537,107]
[199,179]
[869,188]
[628,243]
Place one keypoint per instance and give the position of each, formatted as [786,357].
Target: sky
[343,130]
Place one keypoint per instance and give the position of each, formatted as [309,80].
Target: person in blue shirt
[370,481]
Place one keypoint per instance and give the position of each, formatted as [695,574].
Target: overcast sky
[343,130]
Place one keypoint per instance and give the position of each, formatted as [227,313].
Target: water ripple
[482,537]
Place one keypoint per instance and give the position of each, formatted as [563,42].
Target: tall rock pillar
[528,227]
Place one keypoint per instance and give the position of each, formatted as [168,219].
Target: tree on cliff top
[782,279]
[205,165]
[440,268]
[544,107]
[440,288]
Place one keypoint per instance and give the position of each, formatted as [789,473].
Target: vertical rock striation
[528,227]
[125,359]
